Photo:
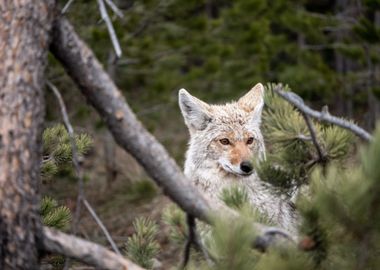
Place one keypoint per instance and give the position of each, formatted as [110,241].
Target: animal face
[226,135]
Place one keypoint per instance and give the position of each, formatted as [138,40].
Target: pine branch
[79,172]
[75,157]
[324,116]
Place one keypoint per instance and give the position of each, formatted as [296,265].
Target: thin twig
[193,239]
[74,150]
[115,9]
[67,6]
[313,134]
[111,30]
[324,116]
[79,172]
[101,225]
[190,239]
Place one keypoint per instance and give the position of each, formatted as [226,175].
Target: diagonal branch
[115,9]
[313,135]
[67,6]
[93,254]
[101,225]
[111,30]
[129,133]
[324,116]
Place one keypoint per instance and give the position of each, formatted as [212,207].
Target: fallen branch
[101,92]
[324,116]
[92,254]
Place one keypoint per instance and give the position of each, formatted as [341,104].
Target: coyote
[224,139]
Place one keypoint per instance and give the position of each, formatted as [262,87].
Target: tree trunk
[24,41]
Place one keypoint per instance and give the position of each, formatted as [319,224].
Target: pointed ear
[253,102]
[195,112]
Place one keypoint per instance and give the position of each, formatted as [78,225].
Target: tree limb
[324,116]
[101,92]
[90,253]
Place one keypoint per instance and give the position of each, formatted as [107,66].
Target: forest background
[327,51]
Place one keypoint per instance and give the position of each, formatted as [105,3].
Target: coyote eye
[250,140]
[225,141]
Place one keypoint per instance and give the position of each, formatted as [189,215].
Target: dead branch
[93,254]
[79,172]
[67,6]
[324,116]
[111,30]
[74,151]
[115,9]
[313,134]
[101,225]
[129,133]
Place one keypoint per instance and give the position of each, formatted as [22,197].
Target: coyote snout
[236,156]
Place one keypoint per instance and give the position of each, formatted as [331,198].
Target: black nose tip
[246,166]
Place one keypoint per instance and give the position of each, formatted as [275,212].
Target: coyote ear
[195,112]
[253,102]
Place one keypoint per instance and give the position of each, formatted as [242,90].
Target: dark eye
[250,140]
[225,141]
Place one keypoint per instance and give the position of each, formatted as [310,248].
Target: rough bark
[129,133]
[24,38]
[84,251]
[101,92]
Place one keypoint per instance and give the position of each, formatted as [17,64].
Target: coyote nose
[246,166]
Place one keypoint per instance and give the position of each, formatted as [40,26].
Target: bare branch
[84,251]
[129,133]
[79,172]
[111,30]
[75,158]
[190,239]
[313,134]
[101,225]
[115,9]
[324,116]
[67,6]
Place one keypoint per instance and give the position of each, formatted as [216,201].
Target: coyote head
[227,136]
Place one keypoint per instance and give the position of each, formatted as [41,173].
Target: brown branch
[90,253]
[129,133]
[324,116]
[313,134]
